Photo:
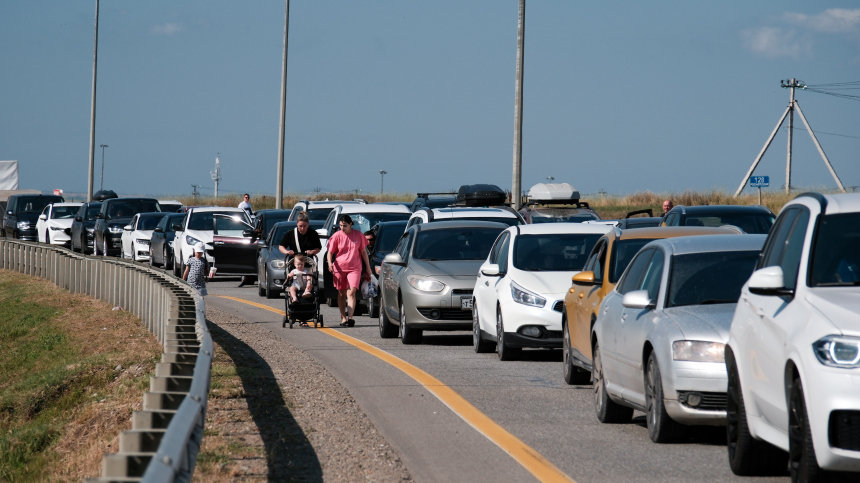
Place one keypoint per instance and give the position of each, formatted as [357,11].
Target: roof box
[481,195]
[102,195]
[548,193]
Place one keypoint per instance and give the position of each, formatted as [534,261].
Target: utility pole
[279,189]
[789,112]
[194,190]
[93,108]
[102,182]
[216,175]
[516,191]
[382,174]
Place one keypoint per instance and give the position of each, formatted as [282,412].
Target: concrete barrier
[165,438]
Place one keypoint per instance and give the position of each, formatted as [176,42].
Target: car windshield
[271,218]
[127,209]
[455,244]
[563,252]
[390,237]
[148,222]
[365,221]
[510,221]
[835,258]
[282,230]
[754,223]
[61,212]
[93,210]
[172,220]
[622,252]
[36,205]
[562,215]
[202,221]
[170,207]
[709,278]
[318,214]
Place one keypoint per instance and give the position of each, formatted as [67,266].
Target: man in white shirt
[246,204]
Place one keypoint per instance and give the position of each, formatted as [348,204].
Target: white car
[136,235]
[793,356]
[55,223]
[518,297]
[199,225]
[318,210]
[501,214]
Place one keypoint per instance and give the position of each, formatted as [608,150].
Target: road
[528,398]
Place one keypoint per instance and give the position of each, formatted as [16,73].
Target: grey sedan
[427,282]
[660,336]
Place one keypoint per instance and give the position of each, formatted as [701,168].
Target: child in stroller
[301,279]
[302,271]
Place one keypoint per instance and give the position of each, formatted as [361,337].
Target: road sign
[759,181]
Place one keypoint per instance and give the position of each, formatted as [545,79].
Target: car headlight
[425,284]
[57,228]
[23,225]
[838,351]
[523,296]
[191,240]
[698,351]
[115,229]
[276,264]
[143,241]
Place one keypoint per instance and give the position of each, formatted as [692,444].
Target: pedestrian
[246,204]
[371,239]
[300,239]
[345,255]
[196,269]
[667,205]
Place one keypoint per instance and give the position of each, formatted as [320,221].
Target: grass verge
[71,372]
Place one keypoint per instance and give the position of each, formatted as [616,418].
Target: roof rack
[360,200]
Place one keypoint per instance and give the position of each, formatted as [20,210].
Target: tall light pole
[518,109]
[382,174]
[550,179]
[279,189]
[93,109]
[102,182]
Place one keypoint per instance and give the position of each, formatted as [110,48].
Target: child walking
[195,270]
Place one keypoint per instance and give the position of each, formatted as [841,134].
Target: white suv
[199,225]
[793,356]
[318,210]
[502,214]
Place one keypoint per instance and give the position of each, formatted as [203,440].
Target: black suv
[113,216]
[22,212]
[82,227]
[432,200]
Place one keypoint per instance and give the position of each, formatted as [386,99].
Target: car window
[790,262]
[133,221]
[387,238]
[35,205]
[653,275]
[562,215]
[63,212]
[454,244]
[631,278]
[597,260]
[318,214]
[754,223]
[494,252]
[92,212]
[835,259]
[776,242]
[502,259]
[403,247]
[45,210]
[128,208]
[709,278]
[622,252]
[364,221]
[149,222]
[553,251]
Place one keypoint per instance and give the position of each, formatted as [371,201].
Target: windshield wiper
[717,301]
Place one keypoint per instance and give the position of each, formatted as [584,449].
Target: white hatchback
[518,298]
[793,356]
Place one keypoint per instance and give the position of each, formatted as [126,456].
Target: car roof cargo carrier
[553,194]
[480,195]
[102,195]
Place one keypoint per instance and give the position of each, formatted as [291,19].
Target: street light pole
[93,109]
[102,182]
[550,178]
[382,174]
[518,109]
[279,189]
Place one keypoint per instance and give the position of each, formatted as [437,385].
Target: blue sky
[621,96]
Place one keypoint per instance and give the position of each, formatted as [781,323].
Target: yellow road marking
[525,455]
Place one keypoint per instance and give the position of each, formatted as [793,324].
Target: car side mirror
[248,233]
[490,270]
[769,281]
[43,217]
[158,229]
[584,278]
[127,228]
[261,243]
[637,299]
[394,259]
[78,218]
[322,233]
[10,212]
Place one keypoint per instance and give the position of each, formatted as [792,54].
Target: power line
[829,133]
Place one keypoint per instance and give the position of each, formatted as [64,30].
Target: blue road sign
[759,181]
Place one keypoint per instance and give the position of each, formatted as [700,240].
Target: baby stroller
[305,309]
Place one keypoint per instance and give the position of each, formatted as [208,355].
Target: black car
[22,212]
[750,219]
[115,213]
[265,220]
[270,260]
[161,243]
[82,227]
[385,238]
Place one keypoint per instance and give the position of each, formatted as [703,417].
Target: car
[82,227]
[319,210]
[385,237]
[518,296]
[137,235]
[750,219]
[55,223]
[161,241]
[270,260]
[222,232]
[793,354]
[556,203]
[265,220]
[606,262]
[170,206]
[501,214]
[427,282]
[22,213]
[113,216]
[432,200]
[659,340]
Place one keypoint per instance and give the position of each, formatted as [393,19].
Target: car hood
[62,222]
[138,234]
[546,283]
[840,305]
[454,268]
[118,221]
[31,217]
[202,235]
[703,322]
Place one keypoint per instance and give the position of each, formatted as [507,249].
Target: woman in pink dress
[345,255]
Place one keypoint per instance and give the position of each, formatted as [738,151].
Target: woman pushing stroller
[346,252]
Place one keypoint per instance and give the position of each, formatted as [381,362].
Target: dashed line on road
[525,455]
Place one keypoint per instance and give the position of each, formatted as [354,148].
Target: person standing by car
[667,206]
[346,252]
[246,204]
[195,270]
[301,239]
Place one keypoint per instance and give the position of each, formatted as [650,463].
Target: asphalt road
[528,398]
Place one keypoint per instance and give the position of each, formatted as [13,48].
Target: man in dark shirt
[309,241]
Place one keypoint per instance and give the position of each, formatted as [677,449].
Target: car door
[393,275]
[42,225]
[485,294]
[587,297]
[126,237]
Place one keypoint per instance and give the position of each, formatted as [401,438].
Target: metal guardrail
[165,438]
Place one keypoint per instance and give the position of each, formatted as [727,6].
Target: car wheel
[505,353]
[661,427]
[151,258]
[608,411]
[407,335]
[270,294]
[801,454]
[572,373]
[104,248]
[387,330]
[481,346]
[177,267]
[373,307]
[47,237]
[261,281]
[165,259]
[747,455]
[95,247]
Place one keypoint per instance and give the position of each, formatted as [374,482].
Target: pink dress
[346,258]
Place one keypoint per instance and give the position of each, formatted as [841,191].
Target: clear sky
[621,96]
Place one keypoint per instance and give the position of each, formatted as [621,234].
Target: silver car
[660,335]
[427,282]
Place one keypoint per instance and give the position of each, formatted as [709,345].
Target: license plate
[466,304]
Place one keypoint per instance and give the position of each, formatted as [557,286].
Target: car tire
[373,307]
[387,330]
[261,280]
[747,455]
[608,411]
[270,294]
[104,248]
[47,238]
[481,346]
[505,353]
[573,375]
[151,258]
[661,427]
[177,268]
[407,334]
[802,463]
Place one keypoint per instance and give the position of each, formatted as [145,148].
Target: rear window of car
[622,252]
[709,278]
[835,259]
[455,244]
[365,221]
[752,223]
[510,221]
[203,221]
[562,252]
[148,222]
[36,204]
[562,215]
[390,236]
[129,208]
[318,214]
